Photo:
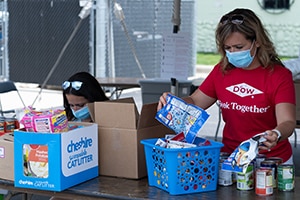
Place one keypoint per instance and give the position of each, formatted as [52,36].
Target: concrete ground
[53,98]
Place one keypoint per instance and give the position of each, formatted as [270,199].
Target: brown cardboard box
[120,129]
[297,89]
[7,156]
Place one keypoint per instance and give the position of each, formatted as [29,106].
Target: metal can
[234,177]
[264,181]
[245,181]
[2,125]
[224,155]
[257,161]
[17,123]
[225,177]
[271,164]
[10,125]
[277,160]
[286,177]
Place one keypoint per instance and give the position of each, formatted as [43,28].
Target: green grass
[207,58]
[212,59]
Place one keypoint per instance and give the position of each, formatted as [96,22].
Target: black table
[117,188]
[119,84]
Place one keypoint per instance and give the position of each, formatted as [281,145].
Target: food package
[46,121]
[182,117]
[243,155]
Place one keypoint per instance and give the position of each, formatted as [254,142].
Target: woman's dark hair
[89,89]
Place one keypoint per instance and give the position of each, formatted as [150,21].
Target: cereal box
[182,117]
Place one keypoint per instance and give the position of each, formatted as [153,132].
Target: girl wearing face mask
[253,88]
[78,90]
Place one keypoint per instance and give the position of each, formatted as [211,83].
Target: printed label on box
[77,153]
[2,152]
[35,160]
[55,161]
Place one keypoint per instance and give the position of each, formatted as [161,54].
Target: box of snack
[182,117]
[47,121]
[56,161]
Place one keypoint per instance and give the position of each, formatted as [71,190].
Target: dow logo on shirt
[243,90]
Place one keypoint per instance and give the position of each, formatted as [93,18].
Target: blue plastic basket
[182,171]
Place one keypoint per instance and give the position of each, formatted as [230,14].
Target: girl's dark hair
[90,89]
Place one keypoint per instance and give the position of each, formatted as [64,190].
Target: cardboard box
[297,90]
[7,156]
[120,129]
[56,161]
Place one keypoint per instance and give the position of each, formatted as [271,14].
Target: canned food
[245,181]
[224,155]
[257,161]
[17,123]
[271,164]
[286,177]
[225,177]
[2,125]
[277,160]
[234,177]
[264,181]
[9,125]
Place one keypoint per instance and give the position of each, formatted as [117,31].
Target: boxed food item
[121,128]
[7,156]
[244,154]
[56,161]
[182,117]
[47,121]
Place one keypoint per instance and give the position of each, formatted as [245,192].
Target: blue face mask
[82,113]
[240,59]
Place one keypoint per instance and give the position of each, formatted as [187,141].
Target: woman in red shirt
[254,89]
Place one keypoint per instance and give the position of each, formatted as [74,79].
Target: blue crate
[182,171]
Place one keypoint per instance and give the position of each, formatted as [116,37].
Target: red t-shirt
[247,99]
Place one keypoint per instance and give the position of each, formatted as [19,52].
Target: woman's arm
[198,98]
[286,123]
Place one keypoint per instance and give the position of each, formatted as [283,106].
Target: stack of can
[273,174]
[8,125]
[263,174]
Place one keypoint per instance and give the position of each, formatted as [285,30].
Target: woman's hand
[286,122]
[162,100]
[272,139]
